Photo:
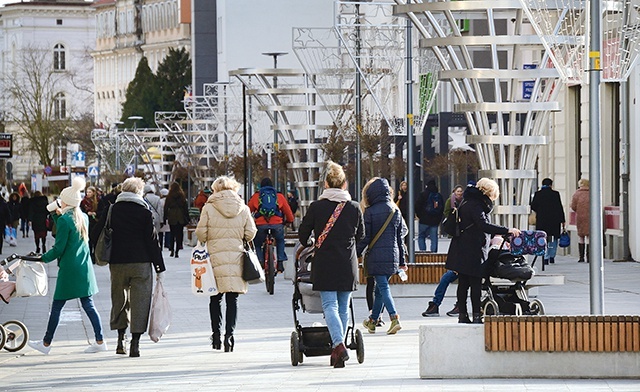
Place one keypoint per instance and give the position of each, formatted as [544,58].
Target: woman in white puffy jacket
[225,222]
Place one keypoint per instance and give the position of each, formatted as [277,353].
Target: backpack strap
[332,220]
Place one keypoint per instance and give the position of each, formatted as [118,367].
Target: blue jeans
[432,231]
[382,297]
[446,279]
[552,246]
[335,305]
[278,233]
[89,309]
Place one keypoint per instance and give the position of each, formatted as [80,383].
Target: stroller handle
[30,257]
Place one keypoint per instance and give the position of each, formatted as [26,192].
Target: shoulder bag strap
[108,223]
[332,220]
[379,233]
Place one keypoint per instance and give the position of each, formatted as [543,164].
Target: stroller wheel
[17,335]
[3,336]
[491,308]
[296,355]
[536,307]
[359,346]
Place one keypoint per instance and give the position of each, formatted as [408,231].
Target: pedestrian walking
[549,217]
[384,233]
[164,236]
[24,214]
[14,210]
[134,255]
[402,199]
[581,205]
[38,215]
[338,224]
[453,201]
[225,225]
[76,277]
[470,250]
[176,214]
[429,209]
[433,309]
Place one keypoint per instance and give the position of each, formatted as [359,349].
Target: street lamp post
[274,150]
[116,124]
[135,128]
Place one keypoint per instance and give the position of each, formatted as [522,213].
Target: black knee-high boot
[581,252]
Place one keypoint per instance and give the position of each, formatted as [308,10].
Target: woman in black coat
[549,216]
[176,213]
[469,251]
[135,254]
[335,266]
[38,215]
[386,257]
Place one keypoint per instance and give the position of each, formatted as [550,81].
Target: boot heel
[228,343]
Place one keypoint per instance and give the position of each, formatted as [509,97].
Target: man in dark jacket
[429,209]
[549,216]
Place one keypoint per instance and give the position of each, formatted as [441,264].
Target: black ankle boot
[463,318]
[215,341]
[228,343]
[171,255]
[120,348]
[477,318]
[134,350]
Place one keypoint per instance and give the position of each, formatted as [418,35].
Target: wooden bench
[427,269]
[562,333]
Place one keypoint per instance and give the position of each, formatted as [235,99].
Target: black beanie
[266,182]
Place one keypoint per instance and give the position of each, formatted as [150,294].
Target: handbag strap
[332,220]
[382,229]
[108,222]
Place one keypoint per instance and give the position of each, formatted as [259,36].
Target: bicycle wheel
[270,273]
[17,335]
[3,336]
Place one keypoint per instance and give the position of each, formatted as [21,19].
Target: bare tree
[39,97]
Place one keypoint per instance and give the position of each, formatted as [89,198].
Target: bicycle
[269,253]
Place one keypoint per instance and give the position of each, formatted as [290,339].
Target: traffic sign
[78,158]
[129,170]
[93,171]
[48,170]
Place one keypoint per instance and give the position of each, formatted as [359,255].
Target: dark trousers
[464,283]
[231,315]
[177,236]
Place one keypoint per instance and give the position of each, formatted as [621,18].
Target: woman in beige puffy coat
[225,221]
[580,204]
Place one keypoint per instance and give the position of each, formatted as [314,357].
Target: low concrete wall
[457,351]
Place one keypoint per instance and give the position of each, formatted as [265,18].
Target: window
[59,22]
[60,107]
[58,57]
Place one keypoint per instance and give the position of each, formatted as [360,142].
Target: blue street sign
[93,171]
[527,86]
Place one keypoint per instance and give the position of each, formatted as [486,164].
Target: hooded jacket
[225,221]
[386,254]
[421,206]
[468,252]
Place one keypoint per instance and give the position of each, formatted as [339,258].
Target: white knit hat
[71,195]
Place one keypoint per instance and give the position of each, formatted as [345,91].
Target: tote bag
[31,279]
[203,283]
[160,315]
[252,271]
[103,246]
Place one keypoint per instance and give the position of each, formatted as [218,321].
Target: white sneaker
[39,345]
[95,347]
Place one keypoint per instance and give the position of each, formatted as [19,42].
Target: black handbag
[252,272]
[103,246]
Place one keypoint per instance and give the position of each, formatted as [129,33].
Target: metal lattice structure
[486,71]
[620,39]
[292,105]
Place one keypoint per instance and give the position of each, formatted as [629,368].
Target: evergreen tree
[174,76]
[141,98]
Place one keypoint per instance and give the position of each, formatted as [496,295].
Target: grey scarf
[132,197]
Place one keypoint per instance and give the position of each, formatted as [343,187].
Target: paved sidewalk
[184,360]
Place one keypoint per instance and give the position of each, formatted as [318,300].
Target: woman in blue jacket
[384,257]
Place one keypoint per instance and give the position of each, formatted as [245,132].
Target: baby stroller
[315,341]
[504,291]
[14,335]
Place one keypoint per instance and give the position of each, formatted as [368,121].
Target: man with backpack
[271,211]
[429,209]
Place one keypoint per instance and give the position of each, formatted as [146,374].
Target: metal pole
[624,167]
[244,141]
[358,108]
[274,150]
[410,141]
[596,270]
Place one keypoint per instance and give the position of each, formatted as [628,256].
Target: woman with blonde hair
[225,224]
[337,224]
[580,204]
[470,250]
[76,278]
[385,257]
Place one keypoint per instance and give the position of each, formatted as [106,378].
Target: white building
[63,32]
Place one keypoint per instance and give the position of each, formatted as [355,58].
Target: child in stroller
[315,340]
[503,287]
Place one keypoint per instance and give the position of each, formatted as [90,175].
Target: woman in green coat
[76,278]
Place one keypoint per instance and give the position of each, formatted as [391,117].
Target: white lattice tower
[486,71]
[113,147]
[563,27]
[620,38]
[297,115]
[151,148]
